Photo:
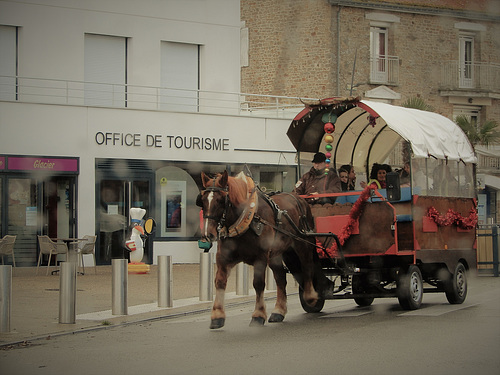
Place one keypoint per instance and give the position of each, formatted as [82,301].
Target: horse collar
[242,224]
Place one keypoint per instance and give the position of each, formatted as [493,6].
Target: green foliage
[485,134]
[417,103]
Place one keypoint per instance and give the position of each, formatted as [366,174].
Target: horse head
[214,201]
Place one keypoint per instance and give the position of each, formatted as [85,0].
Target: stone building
[446,52]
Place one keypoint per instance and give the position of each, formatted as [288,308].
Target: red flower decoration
[354,214]
[453,217]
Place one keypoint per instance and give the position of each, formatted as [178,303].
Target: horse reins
[278,214]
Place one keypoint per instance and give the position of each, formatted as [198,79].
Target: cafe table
[71,244]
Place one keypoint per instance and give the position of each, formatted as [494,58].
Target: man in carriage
[319,180]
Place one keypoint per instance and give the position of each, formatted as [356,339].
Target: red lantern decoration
[329,128]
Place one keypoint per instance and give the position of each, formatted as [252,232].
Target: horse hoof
[257,321]
[276,318]
[217,323]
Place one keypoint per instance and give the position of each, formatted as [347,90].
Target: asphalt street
[437,339]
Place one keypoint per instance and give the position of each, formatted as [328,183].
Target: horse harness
[249,219]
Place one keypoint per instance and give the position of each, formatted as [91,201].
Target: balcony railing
[384,70]
[467,76]
[95,94]
[488,162]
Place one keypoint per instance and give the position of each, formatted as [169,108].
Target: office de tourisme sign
[159,141]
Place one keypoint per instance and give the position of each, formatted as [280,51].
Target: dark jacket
[311,182]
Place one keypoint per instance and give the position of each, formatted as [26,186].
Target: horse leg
[259,315]
[218,317]
[306,258]
[280,308]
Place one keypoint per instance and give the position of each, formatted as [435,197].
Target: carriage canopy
[366,132]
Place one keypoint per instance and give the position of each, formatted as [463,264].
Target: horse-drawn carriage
[393,239]
[364,244]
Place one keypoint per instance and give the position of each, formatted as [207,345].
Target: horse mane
[238,189]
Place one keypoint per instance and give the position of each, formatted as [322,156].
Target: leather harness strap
[243,223]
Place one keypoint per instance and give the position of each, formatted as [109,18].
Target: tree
[417,103]
[485,134]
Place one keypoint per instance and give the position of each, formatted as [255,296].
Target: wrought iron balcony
[384,70]
[481,76]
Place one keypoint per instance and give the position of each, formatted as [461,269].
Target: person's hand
[362,184]
[312,200]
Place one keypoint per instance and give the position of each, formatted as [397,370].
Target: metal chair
[7,247]
[87,247]
[47,246]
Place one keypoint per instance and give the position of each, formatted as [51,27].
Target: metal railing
[467,76]
[384,70]
[488,162]
[99,94]
[487,249]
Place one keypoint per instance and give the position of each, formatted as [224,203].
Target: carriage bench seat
[404,218]
[334,224]
[405,196]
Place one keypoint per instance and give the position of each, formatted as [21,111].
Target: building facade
[110,105]
[445,52]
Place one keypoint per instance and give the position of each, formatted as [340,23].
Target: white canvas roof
[367,132]
[429,133]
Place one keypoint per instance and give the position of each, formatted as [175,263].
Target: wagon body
[413,237]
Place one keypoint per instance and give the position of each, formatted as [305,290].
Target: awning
[366,132]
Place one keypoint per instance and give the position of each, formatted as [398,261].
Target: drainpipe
[338,50]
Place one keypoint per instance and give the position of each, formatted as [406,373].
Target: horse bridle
[227,203]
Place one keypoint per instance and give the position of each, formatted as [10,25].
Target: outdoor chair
[87,247]
[49,247]
[7,247]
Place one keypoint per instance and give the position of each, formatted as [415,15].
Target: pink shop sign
[42,164]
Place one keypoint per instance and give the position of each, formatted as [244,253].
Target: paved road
[344,339]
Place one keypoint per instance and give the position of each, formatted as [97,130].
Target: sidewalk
[35,300]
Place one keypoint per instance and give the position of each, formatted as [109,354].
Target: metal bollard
[67,293]
[5,297]
[270,282]
[242,279]
[206,277]
[165,281]
[119,286]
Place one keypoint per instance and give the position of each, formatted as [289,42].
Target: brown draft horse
[225,201]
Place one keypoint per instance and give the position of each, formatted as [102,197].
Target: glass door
[466,70]
[23,206]
[116,197]
[58,207]
[378,47]
[34,207]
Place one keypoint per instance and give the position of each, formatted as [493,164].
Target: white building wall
[55,130]
[51,36]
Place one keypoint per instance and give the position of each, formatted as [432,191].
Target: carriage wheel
[358,287]
[410,288]
[456,286]
[318,306]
